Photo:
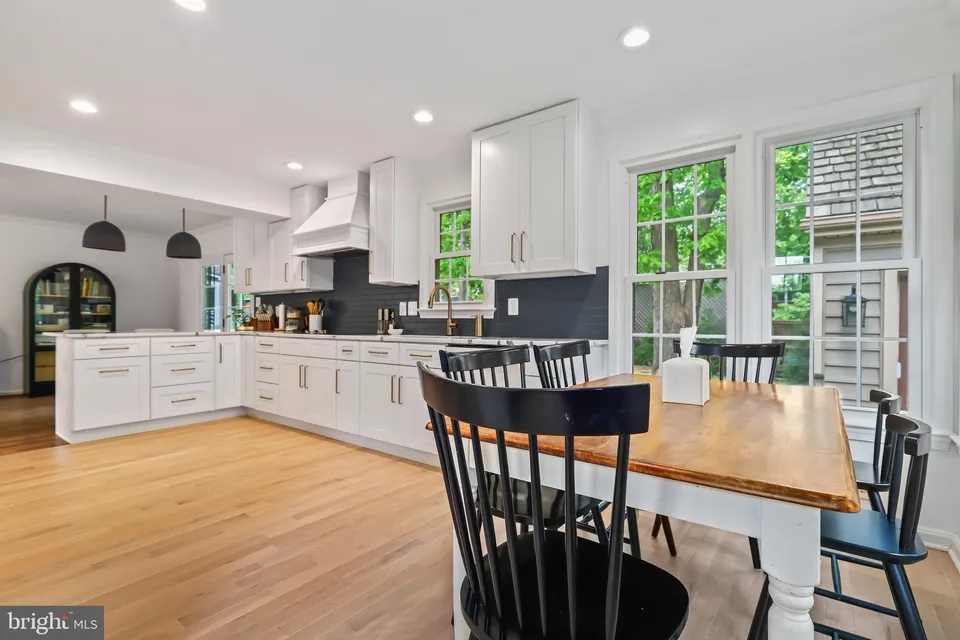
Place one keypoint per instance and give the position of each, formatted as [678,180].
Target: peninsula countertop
[414,338]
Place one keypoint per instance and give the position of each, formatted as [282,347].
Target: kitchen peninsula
[360,389]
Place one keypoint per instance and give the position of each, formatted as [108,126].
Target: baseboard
[943,541]
[13,392]
[89,435]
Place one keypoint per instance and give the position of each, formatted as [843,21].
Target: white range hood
[342,223]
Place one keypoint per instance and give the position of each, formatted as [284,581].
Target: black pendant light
[183,245]
[104,235]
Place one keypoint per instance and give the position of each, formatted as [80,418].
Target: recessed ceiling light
[296,166]
[634,37]
[193,5]
[423,116]
[84,106]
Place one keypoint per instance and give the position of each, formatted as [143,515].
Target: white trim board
[942,541]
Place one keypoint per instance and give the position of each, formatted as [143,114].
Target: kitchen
[280,287]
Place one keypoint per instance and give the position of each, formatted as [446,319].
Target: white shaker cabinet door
[499,178]
[228,372]
[320,392]
[249,364]
[378,409]
[347,387]
[382,192]
[412,427]
[291,391]
[111,391]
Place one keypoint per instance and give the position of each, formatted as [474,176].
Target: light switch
[412,308]
[513,306]
[403,308]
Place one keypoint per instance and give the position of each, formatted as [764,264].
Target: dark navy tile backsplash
[570,307]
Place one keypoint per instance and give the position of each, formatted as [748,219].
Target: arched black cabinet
[64,296]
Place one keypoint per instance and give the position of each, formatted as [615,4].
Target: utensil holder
[315,323]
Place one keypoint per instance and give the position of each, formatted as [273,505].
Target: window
[681,275]
[218,299]
[452,263]
[840,217]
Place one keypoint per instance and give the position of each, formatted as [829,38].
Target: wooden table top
[782,442]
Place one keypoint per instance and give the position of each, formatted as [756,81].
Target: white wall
[144,278]
[216,240]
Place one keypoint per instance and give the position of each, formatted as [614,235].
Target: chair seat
[653,603]
[867,534]
[553,502]
[868,477]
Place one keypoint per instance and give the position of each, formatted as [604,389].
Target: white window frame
[225,294]
[430,237]
[633,278]
[855,416]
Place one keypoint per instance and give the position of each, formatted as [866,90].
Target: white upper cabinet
[394,223]
[251,253]
[288,272]
[534,195]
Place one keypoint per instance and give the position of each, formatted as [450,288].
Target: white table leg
[460,629]
[790,555]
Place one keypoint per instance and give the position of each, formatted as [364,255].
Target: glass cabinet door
[96,301]
[51,300]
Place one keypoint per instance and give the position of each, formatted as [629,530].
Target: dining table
[760,460]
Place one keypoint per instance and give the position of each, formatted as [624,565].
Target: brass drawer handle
[379,353]
[392,398]
[182,346]
[182,400]
[346,350]
[183,369]
[266,368]
[264,344]
[266,398]
[114,348]
[114,370]
[338,382]
[421,355]
[400,389]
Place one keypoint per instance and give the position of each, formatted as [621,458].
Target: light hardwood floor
[27,424]
[243,529]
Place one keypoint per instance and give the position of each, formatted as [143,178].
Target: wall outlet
[403,309]
[412,308]
[513,306]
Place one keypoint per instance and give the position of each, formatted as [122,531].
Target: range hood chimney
[342,223]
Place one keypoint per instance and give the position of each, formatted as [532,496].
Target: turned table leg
[790,555]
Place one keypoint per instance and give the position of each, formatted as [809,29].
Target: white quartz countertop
[422,339]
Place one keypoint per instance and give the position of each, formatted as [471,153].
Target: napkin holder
[685,381]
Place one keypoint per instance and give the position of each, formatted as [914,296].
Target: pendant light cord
[184,219]
[104,207]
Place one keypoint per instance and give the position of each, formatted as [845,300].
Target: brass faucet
[451,323]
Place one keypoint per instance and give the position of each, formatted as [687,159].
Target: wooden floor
[243,529]
[26,424]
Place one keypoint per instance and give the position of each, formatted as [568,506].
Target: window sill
[439,311]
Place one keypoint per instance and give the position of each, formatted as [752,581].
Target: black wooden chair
[556,366]
[506,594]
[877,540]
[874,478]
[490,366]
[729,355]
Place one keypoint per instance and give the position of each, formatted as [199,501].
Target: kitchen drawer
[268,398]
[268,345]
[166,402]
[348,350]
[411,354]
[268,368]
[90,348]
[384,352]
[112,391]
[189,344]
[187,368]
[309,348]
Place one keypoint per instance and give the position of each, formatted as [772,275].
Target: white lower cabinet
[413,418]
[228,372]
[179,400]
[267,398]
[111,391]
[347,387]
[248,345]
[378,408]
[308,390]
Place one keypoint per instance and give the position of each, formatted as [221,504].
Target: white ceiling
[250,84]
[27,193]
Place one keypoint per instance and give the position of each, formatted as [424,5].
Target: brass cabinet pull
[183,369]
[114,370]
[370,263]
[221,354]
[421,355]
[378,353]
[522,234]
[392,399]
[305,385]
[303,263]
[249,276]
[337,382]
[264,344]
[182,346]
[114,348]
[346,350]
[400,389]
[182,400]
[266,368]
[513,237]
[286,269]
[266,398]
